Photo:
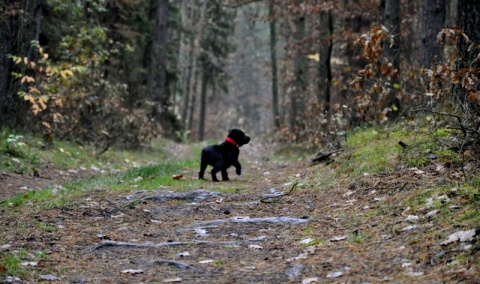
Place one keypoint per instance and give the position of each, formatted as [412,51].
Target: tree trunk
[339,56]
[202,69]
[183,60]
[324,67]
[203,105]
[300,78]
[5,62]
[157,80]
[391,20]
[432,21]
[469,22]
[273,58]
[18,28]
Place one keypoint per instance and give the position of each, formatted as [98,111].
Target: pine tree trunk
[300,79]
[157,80]
[203,71]
[5,62]
[203,106]
[324,67]
[273,58]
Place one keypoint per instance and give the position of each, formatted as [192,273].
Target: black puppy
[223,156]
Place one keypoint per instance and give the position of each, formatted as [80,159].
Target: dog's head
[238,136]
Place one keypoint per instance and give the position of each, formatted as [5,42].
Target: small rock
[334,274]
[339,238]
[49,277]
[310,280]
[461,236]
[132,271]
[294,271]
[172,280]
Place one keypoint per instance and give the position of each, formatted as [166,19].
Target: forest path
[277,227]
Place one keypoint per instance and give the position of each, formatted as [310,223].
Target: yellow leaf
[28,79]
[62,73]
[25,60]
[69,72]
[36,109]
[315,57]
[29,98]
[33,90]
[18,60]
[46,124]
[42,104]
[32,65]
[58,102]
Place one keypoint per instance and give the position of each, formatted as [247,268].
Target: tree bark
[201,57]
[203,105]
[300,78]
[432,22]
[273,58]
[158,76]
[469,22]
[5,62]
[325,54]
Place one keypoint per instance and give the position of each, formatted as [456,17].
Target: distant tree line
[120,72]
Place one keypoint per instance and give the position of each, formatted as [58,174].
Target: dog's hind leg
[216,168]
[224,175]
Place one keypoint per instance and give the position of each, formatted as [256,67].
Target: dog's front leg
[238,167]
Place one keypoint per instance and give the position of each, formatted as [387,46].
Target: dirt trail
[312,235]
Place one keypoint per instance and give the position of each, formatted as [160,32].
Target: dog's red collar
[231,141]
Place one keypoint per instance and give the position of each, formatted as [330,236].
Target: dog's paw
[239,171]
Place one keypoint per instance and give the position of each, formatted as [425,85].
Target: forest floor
[280,226]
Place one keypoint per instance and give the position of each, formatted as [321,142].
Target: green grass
[10,264]
[25,153]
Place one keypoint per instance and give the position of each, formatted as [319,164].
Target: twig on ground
[277,197]
[179,265]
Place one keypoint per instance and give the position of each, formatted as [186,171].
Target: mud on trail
[279,228]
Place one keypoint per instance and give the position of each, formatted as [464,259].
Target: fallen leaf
[306,241]
[412,218]
[335,274]
[172,280]
[431,213]
[29,263]
[255,247]
[408,228]
[177,177]
[339,238]
[310,280]
[185,253]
